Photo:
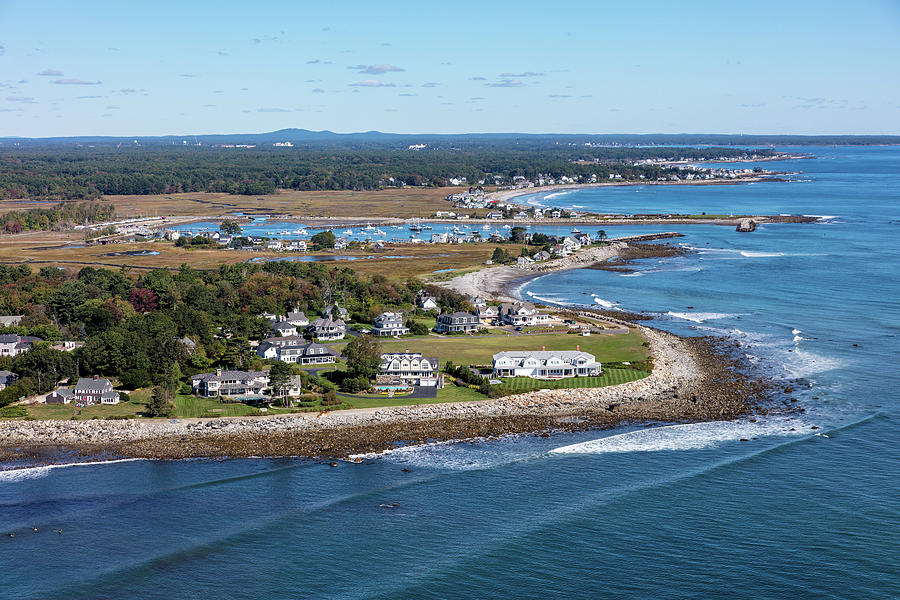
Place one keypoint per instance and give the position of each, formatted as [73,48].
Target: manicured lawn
[479,350]
[67,411]
[192,406]
[608,377]
[450,393]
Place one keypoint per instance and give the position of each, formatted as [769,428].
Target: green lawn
[608,377]
[451,393]
[67,411]
[479,350]
[192,406]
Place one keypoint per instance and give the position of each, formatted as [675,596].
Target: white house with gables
[545,364]
[390,323]
[410,367]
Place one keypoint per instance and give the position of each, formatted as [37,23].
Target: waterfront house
[494,214]
[439,238]
[95,390]
[390,323]
[409,367]
[458,322]
[524,261]
[230,383]
[298,351]
[542,256]
[477,301]
[341,243]
[13,345]
[545,364]
[295,246]
[328,330]
[521,313]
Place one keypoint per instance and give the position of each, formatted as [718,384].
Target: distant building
[282,327]
[6,378]
[521,313]
[426,302]
[11,320]
[297,318]
[13,345]
[61,395]
[487,314]
[390,323]
[335,311]
[545,364]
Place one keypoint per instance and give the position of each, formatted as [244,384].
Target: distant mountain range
[306,137]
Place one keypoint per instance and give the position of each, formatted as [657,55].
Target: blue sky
[154,68]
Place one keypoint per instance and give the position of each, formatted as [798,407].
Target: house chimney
[218,372]
[578,347]
[543,348]
[96,377]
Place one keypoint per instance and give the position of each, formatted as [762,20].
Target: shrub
[13,412]
[331,399]
[135,379]
[123,397]
[351,385]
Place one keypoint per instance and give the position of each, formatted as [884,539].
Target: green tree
[230,228]
[363,355]
[601,235]
[517,235]
[159,405]
[280,376]
[500,256]
[325,239]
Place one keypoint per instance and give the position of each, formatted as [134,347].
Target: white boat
[301,232]
[369,227]
[347,232]
[486,227]
[379,232]
[507,227]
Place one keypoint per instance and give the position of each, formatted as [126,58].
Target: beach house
[521,313]
[409,367]
[296,350]
[230,383]
[551,364]
[95,390]
[13,345]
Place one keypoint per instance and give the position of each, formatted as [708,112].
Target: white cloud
[371,83]
[376,69]
[76,82]
[50,73]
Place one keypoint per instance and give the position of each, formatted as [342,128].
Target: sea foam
[692,436]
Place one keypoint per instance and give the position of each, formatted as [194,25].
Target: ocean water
[677,511]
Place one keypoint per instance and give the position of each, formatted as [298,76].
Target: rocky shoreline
[691,380]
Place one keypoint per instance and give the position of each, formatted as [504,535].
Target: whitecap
[604,303]
[692,436]
[700,317]
[42,471]
[749,254]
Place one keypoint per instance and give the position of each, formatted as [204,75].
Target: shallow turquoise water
[683,511]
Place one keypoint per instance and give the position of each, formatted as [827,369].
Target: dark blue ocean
[683,511]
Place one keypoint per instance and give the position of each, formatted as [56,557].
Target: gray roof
[11,338]
[319,323]
[239,375]
[86,383]
[296,316]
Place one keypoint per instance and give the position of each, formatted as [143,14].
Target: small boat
[301,232]
[507,226]
[427,227]
[415,228]
[576,231]
[369,227]
[347,232]
[486,227]
[379,232]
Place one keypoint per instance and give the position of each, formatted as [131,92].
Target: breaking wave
[692,436]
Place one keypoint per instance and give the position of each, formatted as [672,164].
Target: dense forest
[62,215]
[131,327]
[60,172]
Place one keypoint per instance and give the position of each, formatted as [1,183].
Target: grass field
[404,203]
[608,377]
[67,411]
[451,393]
[192,406]
[479,350]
